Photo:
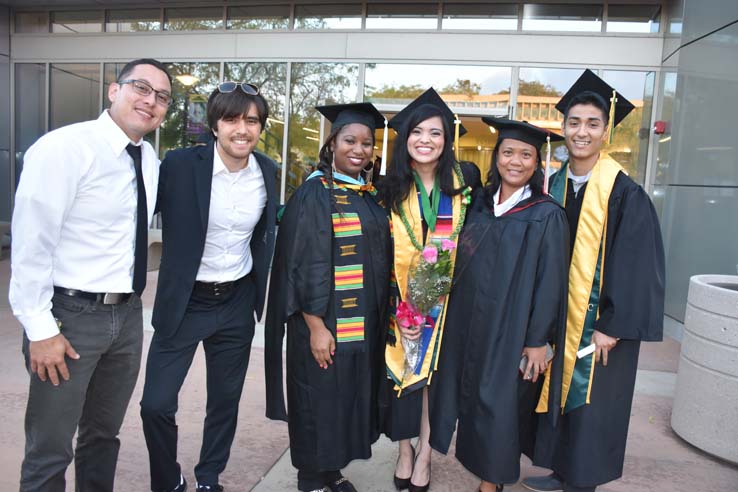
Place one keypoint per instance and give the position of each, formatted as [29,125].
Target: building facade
[676,60]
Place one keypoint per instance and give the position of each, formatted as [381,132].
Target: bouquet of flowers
[429,281]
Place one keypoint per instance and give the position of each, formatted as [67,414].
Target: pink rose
[430,254]
[448,245]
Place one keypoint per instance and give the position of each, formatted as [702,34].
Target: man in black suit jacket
[218,207]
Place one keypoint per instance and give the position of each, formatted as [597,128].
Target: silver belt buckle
[111,298]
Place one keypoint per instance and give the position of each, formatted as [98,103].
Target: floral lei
[465,200]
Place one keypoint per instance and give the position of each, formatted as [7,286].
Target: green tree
[463,86]
[394,92]
[535,88]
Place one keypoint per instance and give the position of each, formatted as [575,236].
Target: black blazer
[185,180]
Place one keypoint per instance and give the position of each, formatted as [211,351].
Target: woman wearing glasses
[329,284]
[426,191]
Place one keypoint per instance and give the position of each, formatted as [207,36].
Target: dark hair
[494,180]
[128,68]
[396,185]
[325,162]
[233,104]
[592,98]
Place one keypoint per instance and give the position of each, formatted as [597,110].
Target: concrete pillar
[705,408]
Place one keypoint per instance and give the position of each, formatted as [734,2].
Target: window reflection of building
[74,93]
[313,84]
[188,79]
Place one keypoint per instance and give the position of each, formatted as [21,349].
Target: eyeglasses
[144,89]
[230,86]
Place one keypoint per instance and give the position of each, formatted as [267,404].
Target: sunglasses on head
[230,86]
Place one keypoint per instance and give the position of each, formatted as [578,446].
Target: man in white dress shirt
[82,210]
[218,208]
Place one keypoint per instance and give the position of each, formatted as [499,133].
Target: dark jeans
[94,400]
[225,326]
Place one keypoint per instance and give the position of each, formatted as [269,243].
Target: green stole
[585,281]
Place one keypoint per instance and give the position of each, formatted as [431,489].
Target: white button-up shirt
[74,221]
[236,202]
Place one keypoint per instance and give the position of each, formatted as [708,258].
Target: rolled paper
[586,351]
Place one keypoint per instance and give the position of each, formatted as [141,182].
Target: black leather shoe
[548,483]
[209,488]
[182,487]
[342,485]
[403,483]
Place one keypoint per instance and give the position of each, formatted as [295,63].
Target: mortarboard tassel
[613,101]
[457,125]
[383,165]
[548,163]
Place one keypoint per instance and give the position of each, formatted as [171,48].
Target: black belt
[215,288]
[103,298]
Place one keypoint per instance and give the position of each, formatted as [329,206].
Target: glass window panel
[500,16]
[539,89]
[668,89]
[402,16]
[314,84]
[272,81]
[75,21]
[74,93]
[186,119]
[333,16]
[133,20]
[633,18]
[561,17]
[259,17]
[193,19]
[31,22]
[30,108]
[630,141]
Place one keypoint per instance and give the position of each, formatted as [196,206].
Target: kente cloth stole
[348,265]
[586,272]
[405,256]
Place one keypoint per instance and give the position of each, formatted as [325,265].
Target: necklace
[465,200]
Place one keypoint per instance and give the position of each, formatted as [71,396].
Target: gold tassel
[457,125]
[611,130]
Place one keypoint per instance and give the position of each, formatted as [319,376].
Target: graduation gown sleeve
[632,301]
[548,312]
[301,279]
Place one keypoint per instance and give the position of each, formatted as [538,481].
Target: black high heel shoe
[420,488]
[403,483]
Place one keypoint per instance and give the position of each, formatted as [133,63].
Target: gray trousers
[93,401]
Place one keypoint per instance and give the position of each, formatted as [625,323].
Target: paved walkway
[657,460]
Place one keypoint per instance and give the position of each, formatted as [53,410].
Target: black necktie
[140,251]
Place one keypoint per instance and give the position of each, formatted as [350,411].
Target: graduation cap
[431,98]
[525,132]
[363,113]
[589,82]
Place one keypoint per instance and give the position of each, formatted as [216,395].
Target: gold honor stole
[406,256]
[585,281]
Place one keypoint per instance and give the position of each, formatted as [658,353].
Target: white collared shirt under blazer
[74,221]
[237,200]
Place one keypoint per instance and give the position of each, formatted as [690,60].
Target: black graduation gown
[587,447]
[509,292]
[333,413]
[401,416]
